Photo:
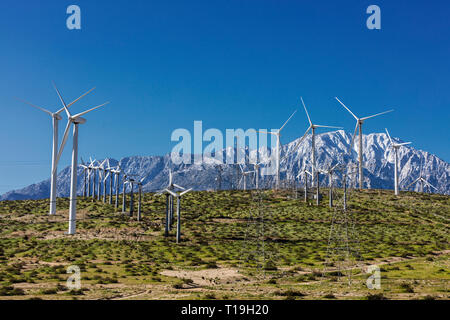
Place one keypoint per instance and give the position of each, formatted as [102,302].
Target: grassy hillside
[119,257]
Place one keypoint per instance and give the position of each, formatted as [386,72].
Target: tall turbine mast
[359,123]
[55,151]
[395,146]
[75,120]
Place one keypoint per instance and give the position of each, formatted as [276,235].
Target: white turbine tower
[359,123]
[278,150]
[116,173]
[55,152]
[75,120]
[85,173]
[178,196]
[106,174]
[313,128]
[395,146]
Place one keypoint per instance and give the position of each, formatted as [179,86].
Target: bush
[407,287]
[11,291]
[377,296]
[49,291]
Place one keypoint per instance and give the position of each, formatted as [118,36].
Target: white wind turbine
[313,128]
[101,175]
[359,123]
[395,146]
[256,166]
[305,177]
[55,152]
[169,201]
[85,173]
[178,196]
[278,150]
[330,172]
[89,171]
[244,176]
[423,182]
[96,174]
[75,120]
[106,174]
[116,173]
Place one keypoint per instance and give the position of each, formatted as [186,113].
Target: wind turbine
[423,182]
[244,176]
[94,172]
[101,175]
[56,153]
[116,173]
[359,123]
[313,128]
[85,170]
[130,181]
[305,174]
[124,195]
[75,120]
[89,171]
[106,174]
[330,171]
[169,201]
[278,149]
[395,146]
[139,183]
[256,166]
[178,196]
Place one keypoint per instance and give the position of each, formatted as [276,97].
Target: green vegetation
[408,236]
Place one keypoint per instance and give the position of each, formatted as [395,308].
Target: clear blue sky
[231,64]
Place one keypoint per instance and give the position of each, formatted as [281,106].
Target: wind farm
[87,210]
[154,151]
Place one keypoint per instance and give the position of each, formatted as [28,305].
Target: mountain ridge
[330,146]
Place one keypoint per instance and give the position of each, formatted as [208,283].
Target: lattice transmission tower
[343,254]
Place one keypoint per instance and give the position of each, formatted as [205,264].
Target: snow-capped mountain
[331,147]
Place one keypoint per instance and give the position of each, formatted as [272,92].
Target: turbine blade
[35,106]
[287,121]
[353,138]
[346,108]
[179,187]
[84,112]
[409,185]
[429,184]
[62,100]
[84,94]
[403,144]
[185,191]
[378,114]
[172,193]
[388,135]
[321,126]
[304,106]
[266,132]
[301,140]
